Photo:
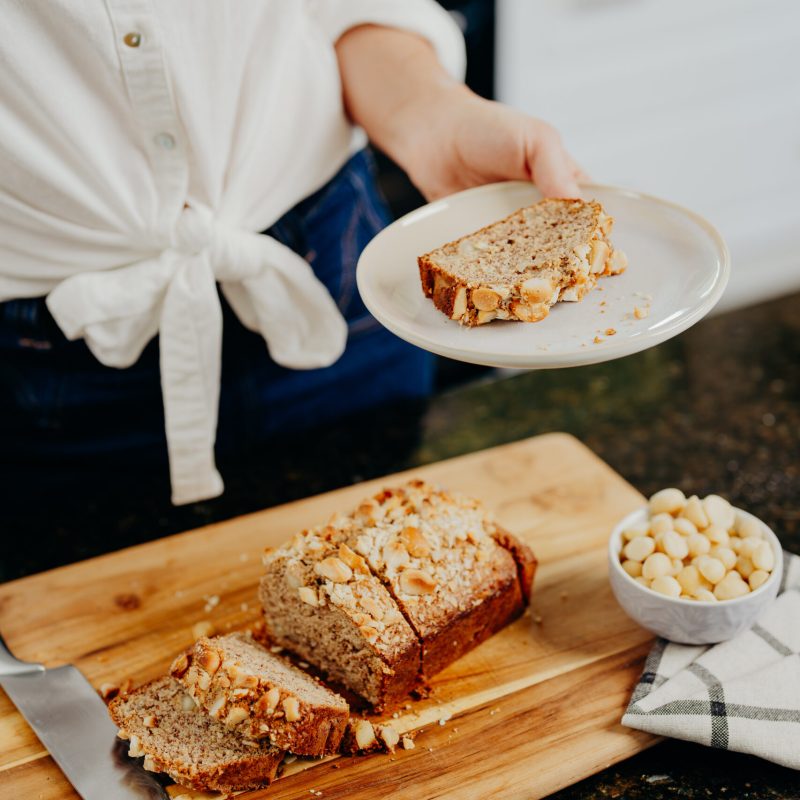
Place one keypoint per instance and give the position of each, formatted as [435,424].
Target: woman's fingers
[580,174]
[552,169]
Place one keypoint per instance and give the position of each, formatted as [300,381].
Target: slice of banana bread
[456,577]
[322,602]
[261,695]
[164,725]
[517,268]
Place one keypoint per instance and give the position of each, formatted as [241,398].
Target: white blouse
[143,145]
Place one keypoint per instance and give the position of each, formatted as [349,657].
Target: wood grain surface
[534,708]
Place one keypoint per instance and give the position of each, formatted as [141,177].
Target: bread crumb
[244,607]
[610,331]
[597,340]
[537,619]
[202,628]
[408,743]
[243,557]
[276,648]
[493,712]
[640,312]
[212,602]
[108,691]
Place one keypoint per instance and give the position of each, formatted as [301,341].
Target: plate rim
[541,359]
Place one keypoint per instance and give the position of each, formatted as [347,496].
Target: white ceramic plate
[678,269]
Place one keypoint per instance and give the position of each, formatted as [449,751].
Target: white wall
[697,101]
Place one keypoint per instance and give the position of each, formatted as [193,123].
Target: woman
[143,147]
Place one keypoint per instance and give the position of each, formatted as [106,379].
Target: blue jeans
[60,409]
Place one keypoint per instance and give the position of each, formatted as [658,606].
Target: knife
[72,722]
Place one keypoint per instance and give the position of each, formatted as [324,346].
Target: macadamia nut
[669,501]
[656,565]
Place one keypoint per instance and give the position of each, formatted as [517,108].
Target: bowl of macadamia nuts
[694,570]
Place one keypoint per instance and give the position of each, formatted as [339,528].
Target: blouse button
[165,140]
[132,39]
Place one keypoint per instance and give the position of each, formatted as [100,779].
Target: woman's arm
[443,135]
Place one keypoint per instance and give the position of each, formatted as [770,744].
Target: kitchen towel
[742,695]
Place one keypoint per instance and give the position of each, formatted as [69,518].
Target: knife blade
[72,722]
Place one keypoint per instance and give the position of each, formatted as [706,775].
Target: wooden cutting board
[533,709]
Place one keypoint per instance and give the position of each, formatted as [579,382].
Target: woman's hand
[467,141]
[443,135]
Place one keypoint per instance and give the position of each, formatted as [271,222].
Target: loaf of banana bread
[383,598]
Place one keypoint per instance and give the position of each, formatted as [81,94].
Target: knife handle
[11,665]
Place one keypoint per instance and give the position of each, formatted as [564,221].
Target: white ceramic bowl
[689,621]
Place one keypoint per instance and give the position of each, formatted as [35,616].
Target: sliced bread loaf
[387,596]
[322,602]
[517,268]
[164,725]
[261,695]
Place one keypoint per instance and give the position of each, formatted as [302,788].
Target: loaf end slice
[322,603]
[523,557]
[518,267]
[163,724]
[261,695]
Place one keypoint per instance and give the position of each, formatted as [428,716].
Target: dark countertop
[715,410]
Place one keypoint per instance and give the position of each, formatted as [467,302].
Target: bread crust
[523,557]
[468,630]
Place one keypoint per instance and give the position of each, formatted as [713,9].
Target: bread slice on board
[164,725]
[517,268]
[322,603]
[261,695]
[385,597]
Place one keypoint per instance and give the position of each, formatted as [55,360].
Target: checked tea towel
[742,695]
